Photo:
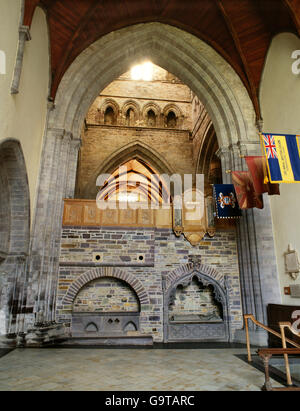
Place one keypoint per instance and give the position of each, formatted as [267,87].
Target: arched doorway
[14,235]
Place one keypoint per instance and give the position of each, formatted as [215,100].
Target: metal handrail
[282,336]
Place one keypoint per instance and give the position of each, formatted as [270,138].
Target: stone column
[72,167]
[43,267]
[68,181]
[224,155]
[257,261]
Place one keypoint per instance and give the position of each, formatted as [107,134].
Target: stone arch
[197,64]
[172,277]
[133,105]
[207,156]
[176,110]
[15,201]
[101,272]
[208,276]
[135,150]
[108,103]
[155,109]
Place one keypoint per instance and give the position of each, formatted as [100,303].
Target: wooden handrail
[282,326]
[252,318]
[282,336]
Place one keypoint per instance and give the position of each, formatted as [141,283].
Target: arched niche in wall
[135,181]
[209,319]
[135,150]
[108,113]
[130,113]
[15,201]
[151,115]
[106,294]
[172,116]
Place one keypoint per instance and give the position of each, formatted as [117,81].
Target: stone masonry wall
[164,253]
[106,295]
[194,300]
[101,142]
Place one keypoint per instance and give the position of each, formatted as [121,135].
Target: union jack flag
[270,145]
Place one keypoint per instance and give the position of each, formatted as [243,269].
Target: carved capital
[76,144]
[223,153]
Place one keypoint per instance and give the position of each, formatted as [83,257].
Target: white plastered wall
[280,103]
[23,115]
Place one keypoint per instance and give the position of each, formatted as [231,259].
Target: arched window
[135,181]
[130,117]
[151,119]
[109,116]
[171,120]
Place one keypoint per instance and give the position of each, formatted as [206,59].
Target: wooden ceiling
[240,30]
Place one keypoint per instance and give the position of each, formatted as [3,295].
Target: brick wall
[165,253]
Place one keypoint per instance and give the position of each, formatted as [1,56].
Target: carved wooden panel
[86,213]
[110,217]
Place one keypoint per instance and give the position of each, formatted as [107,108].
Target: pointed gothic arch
[15,200]
[135,150]
[210,77]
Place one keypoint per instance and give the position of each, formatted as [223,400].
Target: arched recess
[15,201]
[107,272]
[152,108]
[135,150]
[108,104]
[207,276]
[178,114]
[210,77]
[131,105]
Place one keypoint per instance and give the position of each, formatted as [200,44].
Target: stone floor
[58,369]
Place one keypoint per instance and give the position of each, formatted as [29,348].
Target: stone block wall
[194,300]
[101,142]
[106,295]
[164,253]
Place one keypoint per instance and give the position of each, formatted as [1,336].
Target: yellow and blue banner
[282,153]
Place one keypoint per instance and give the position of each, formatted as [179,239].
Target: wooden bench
[266,354]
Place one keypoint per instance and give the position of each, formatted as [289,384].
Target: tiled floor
[127,370]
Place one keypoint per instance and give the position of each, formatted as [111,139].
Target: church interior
[122,125]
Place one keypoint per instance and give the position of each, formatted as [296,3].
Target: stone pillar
[13,293]
[256,249]
[57,165]
[68,181]
[72,167]
[224,155]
